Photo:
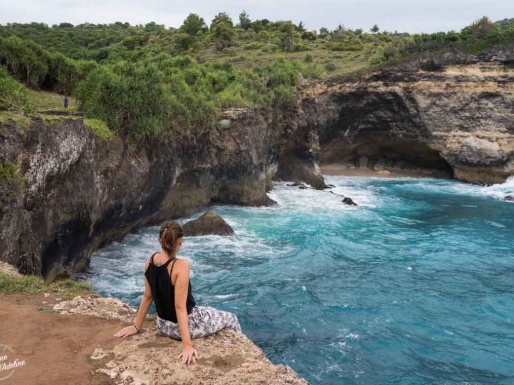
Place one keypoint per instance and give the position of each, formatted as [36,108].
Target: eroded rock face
[209,223]
[77,192]
[456,122]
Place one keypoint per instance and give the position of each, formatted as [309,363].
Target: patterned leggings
[203,321]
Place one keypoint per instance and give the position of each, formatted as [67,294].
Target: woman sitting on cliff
[167,284]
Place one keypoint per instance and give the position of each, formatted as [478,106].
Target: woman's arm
[181,289]
[144,306]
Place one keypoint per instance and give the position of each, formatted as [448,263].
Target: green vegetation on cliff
[150,79]
[11,182]
[13,95]
[100,128]
[16,284]
[7,171]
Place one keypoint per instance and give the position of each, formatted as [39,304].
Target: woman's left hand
[127,331]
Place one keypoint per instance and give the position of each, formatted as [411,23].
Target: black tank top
[163,292]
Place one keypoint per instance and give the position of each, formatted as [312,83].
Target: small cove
[413,286]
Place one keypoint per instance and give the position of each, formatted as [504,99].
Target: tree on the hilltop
[375,29]
[257,26]
[223,35]
[244,20]
[183,41]
[287,36]
[301,26]
[193,24]
[221,18]
[337,34]
[480,28]
[324,32]
[153,27]
[136,39]
[309,35]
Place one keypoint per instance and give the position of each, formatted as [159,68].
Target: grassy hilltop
[149,79]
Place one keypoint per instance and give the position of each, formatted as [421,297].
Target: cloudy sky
[401,15]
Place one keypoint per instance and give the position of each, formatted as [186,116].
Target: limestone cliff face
[76,192]
[449,116]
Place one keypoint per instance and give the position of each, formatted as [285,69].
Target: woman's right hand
[127,331]
[187,354]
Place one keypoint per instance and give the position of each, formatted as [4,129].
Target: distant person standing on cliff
[66,101]
[167,284]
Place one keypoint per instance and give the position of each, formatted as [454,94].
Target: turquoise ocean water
[413,286]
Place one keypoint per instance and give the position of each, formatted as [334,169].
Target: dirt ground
[56,348]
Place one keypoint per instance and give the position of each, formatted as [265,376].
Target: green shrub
[7,171]
[158,96]
[100,128]
[13,95]
[270,48]
[253,45]
[330,67]
[309,70]
[24,59]
[308,58]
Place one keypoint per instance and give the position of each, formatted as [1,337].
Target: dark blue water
[413,286]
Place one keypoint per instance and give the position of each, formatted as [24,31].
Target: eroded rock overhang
[455,122]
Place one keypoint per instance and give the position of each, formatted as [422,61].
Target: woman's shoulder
[182,263]
[150,260]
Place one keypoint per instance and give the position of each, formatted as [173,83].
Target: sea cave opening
[393,157]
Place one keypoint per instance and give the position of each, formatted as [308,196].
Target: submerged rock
[509,198]
[349,201]
[303,187]
[209,223]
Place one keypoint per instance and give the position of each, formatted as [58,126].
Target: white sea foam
[500,190]
[323,201]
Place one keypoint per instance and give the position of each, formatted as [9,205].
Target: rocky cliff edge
[72,342]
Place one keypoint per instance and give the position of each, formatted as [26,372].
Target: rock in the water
[209,223]
[509,198]
[295,184]
[303,187]
[349,201]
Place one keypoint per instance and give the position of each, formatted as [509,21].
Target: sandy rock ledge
[151,357]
